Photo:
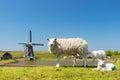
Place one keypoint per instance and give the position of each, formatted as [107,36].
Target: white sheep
[69,46]
[102,65]
[98,54]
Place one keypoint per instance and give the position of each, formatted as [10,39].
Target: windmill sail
[30,36]
[22,43]
[38,44]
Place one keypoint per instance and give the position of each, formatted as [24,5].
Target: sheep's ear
[47,39]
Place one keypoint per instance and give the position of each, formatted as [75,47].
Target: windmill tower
[29,53]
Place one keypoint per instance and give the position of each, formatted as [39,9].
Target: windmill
[29,53]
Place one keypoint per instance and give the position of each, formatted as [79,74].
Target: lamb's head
[89,54]
[51,42]
[101,63]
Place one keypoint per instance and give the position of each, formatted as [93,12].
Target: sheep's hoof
[57,65]
[73,65]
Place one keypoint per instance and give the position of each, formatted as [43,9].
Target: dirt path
[43,63]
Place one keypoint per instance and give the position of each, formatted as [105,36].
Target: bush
[110,53]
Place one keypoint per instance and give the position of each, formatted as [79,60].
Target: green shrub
[108,53]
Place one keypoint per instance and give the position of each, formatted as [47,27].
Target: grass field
[53,73]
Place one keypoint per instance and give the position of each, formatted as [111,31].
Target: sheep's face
[51,42]
[101,62]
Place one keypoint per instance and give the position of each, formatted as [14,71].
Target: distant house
[6,56]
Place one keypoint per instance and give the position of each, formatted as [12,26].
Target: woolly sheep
[98,54]
[69,46]
[102,65]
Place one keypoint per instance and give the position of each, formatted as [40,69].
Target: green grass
[44,56]
[53,73]
[3,62]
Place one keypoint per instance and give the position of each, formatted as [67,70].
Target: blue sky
[96,21]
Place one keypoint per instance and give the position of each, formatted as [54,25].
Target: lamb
[99,54]
[69,46]
[102,65]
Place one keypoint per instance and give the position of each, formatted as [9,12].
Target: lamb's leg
[106,69]
[57,61]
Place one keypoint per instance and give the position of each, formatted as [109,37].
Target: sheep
[98,54]
[102,65]
[69,46]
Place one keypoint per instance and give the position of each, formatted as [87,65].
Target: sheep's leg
[93,61]
[74,61]
[84,61]
[57,61]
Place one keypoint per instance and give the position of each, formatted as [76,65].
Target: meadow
[54,73]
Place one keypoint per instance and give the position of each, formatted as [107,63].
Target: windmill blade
[38,44]
[23,43]
[30,36]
